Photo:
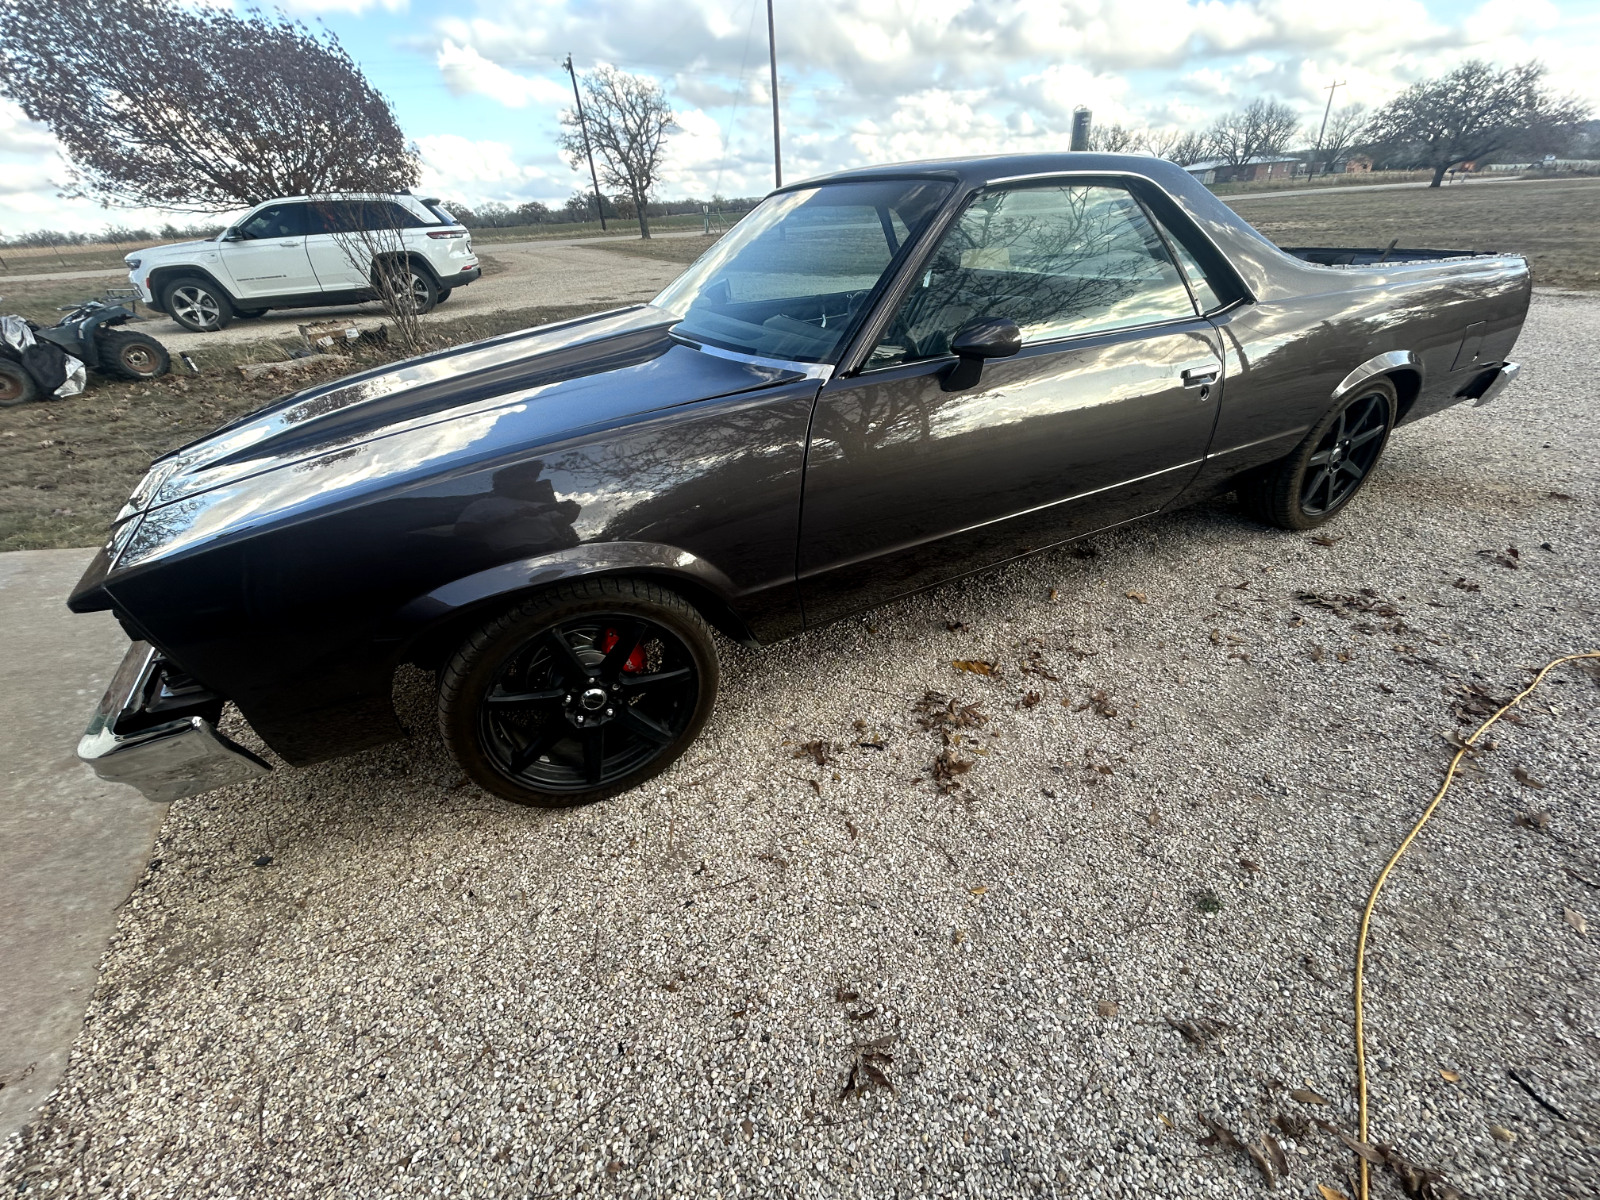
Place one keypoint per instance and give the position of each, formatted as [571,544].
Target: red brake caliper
[635,661]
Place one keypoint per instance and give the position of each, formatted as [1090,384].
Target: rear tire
[125,354]
[414,285]
[1315,483]
[16,385]
[197,304]
[579,693]
[444,294]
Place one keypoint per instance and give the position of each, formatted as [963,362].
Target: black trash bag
[47,363]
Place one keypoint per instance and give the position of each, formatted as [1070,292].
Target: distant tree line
[1475,114]
[580,207]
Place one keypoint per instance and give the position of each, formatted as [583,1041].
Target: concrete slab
[71,847]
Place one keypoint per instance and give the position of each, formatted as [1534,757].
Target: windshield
[792,278]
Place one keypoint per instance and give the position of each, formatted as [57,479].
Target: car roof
[976,171]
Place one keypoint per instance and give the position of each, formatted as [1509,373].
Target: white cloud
[352,7]
[467,71]
[475,170]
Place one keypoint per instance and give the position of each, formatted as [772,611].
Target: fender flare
[427,624]
[1403,368]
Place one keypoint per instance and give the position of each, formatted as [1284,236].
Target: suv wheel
[197,304]
[411,285]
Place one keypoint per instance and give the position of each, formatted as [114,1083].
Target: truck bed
[1344,256]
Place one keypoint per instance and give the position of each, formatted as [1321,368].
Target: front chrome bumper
[128,742]
[1503,379]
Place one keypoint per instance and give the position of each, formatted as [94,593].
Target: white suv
[303,252]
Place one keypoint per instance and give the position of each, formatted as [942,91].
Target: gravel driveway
[801,965]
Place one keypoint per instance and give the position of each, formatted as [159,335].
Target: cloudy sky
[478,85]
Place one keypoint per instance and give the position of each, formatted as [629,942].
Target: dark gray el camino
[876,381]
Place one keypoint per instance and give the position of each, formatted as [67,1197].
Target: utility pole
[599,201]
[772,54]
[1338,83]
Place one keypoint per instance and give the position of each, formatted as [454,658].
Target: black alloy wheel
[1344,455]
[1329,466]
[580,693]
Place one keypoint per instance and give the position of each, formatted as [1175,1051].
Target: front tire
[128,355]
[579,693]
[1327,469]
[197,304]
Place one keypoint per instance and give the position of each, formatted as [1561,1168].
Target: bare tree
[1262,129]
[1114,139]
[197,109]
[628,121]
[1190,149]
[1475,111]
[1346,127]
[370,232]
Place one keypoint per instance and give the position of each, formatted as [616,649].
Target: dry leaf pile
[942,714]
[1420,1183]
[869,1067]
[1200,1031]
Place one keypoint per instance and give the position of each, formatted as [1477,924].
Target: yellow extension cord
[1383,876]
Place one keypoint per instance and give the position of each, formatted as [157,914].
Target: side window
[390,215]
[1057,260]
[336,216]
[1205,295]
[276,221]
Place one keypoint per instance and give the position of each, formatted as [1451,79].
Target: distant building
[1259,167]
[1354,165]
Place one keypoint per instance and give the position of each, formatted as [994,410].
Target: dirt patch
[1555,223]
[66,466]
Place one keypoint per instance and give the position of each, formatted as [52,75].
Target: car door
[339,253]
[1103,416]
[265,254]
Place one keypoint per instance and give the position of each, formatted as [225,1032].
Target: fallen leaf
[1306,1096]
[1318,654]
[1166,1120]
[1200,1031]
[844,996]
[864,1014]
[1526,780]
[1323,539]
[1054,595]
[1465,586]
[1275,1153]
[1107,1008]
[1558,496]
[1220,1134]
[615,1165]
[1538,819]
[748,1126]
[957,626]
[854,832]
[1449,1076]
[1139,596]
[1328,1193]
[1031,699]
[1248,865]
[818,751]
[1216,637]
[980,890]
[974,666]
[1262,1165]
[1501,1134]
[1575,919]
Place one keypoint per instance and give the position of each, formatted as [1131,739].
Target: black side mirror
[987,337]
[232,235]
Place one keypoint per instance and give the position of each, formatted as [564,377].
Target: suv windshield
[792,278]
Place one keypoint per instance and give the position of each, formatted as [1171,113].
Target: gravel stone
[422,991]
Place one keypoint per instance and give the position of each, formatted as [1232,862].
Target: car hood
[410,422]
[175,249]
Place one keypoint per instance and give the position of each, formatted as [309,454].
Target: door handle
[1199,377]
[291,245]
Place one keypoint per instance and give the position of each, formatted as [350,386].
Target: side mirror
[987,337]
[232,235]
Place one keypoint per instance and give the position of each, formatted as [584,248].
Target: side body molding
[1379,364]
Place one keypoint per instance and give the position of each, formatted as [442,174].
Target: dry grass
[1556,223]
[66,466]
[676,249]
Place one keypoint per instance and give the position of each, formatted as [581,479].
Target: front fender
[432,625]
